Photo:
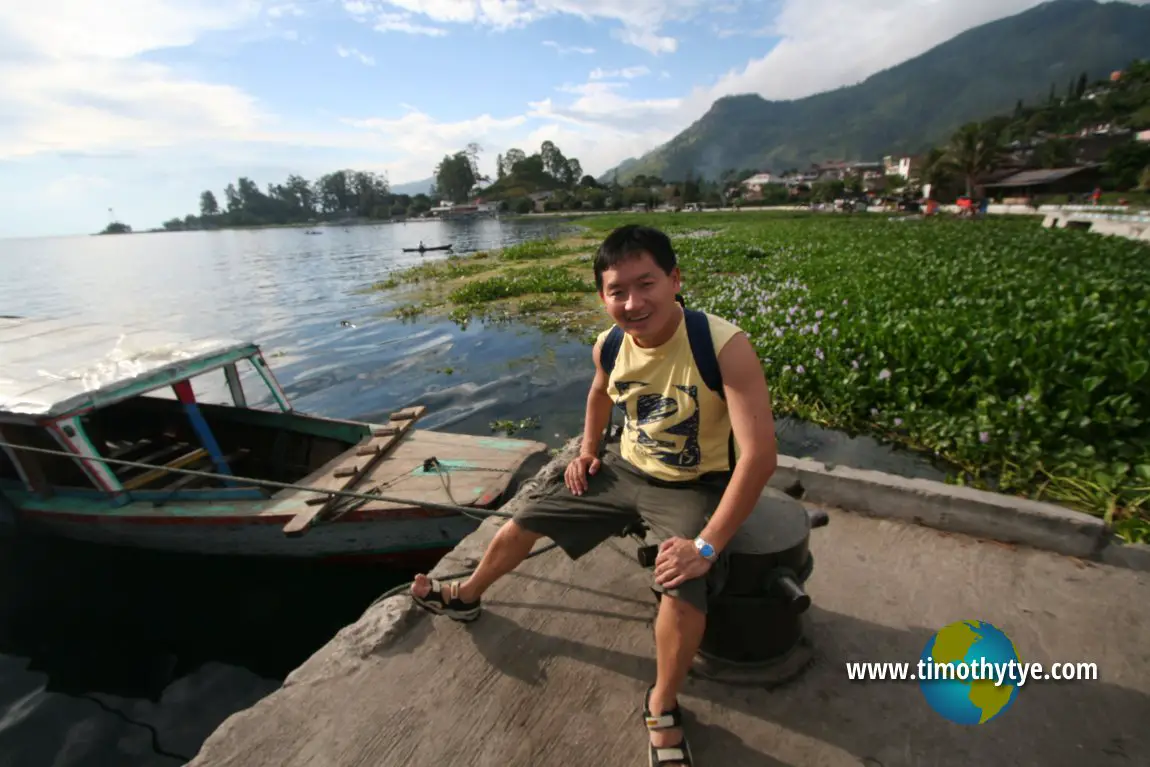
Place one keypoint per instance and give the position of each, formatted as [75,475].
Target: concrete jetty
[555,670]
[1133,226]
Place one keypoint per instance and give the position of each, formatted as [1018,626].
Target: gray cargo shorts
[616,497]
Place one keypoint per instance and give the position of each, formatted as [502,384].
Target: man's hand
[577,471]
[679,561]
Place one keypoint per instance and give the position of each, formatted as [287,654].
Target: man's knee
[687,600]
[512,531]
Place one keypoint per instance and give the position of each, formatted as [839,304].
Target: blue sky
[138,105]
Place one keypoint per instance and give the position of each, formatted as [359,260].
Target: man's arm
[599,406]
[749,405]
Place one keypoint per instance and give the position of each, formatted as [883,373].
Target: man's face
[640,297]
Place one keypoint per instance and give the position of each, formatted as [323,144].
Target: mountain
[914,105]
[414,187]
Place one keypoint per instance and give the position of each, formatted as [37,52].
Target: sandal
[679,753]
[450,605]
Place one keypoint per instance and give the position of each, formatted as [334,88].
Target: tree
[574,172]
[208,205]
[973,150]
[455,177]
[1054,153]
[511,159]
[1125,163]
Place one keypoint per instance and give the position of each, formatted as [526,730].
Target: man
[671,468]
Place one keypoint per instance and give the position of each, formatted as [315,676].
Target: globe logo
[970,672]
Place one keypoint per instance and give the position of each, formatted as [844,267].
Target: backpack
[702,350]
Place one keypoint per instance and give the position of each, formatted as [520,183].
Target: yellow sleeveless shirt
[675,428]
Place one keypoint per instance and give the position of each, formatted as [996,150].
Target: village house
[753,187]
[907,166]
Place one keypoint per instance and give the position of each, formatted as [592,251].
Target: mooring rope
[433,505]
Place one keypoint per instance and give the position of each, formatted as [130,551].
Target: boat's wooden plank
[122,453]
[377,448]
[473,470]
[137,482]
[156,455]
[409,414]
[202,463]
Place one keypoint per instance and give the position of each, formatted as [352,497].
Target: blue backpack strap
[607,354]
[703,350]
[610,349]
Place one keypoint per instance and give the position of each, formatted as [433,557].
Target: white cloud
[72,82]
[74,187]
[627,73]
[640,20]
[565,49]
[401,22]
[420,141]
[355,53]
[646,39]
[284,9]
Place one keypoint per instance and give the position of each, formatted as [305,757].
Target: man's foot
[668,745]
[444,599]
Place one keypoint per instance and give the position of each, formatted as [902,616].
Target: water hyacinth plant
[1016,353]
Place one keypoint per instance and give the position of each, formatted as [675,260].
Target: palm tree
[972,151]
[935,170]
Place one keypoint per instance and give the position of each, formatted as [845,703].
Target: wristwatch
[706,550]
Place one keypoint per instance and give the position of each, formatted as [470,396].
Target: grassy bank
[1016,354]
[546,283]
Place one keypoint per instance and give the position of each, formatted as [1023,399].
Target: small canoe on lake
[424,250]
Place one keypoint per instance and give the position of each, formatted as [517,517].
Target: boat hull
[414,539]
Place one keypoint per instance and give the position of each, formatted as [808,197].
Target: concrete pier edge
[951,508]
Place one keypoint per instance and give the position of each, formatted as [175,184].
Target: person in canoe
[673,468]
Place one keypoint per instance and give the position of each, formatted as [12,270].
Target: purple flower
[984,437]
[800,370]
[819,314]
[819,354]
[884,375]
[898,422]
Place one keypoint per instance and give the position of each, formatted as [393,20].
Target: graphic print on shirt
[666,429]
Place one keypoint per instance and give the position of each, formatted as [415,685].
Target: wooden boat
[422,249]
[90,391]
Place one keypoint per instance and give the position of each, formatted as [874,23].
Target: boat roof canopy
[53,367]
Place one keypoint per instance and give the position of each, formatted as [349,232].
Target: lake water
[89,637]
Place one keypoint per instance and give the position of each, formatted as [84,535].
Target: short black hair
[629,241]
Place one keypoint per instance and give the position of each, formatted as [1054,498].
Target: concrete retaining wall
[965,510]
[1133,227]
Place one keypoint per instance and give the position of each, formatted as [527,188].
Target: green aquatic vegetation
[1014,352]
[520,282]
[511,427]
[530,250]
